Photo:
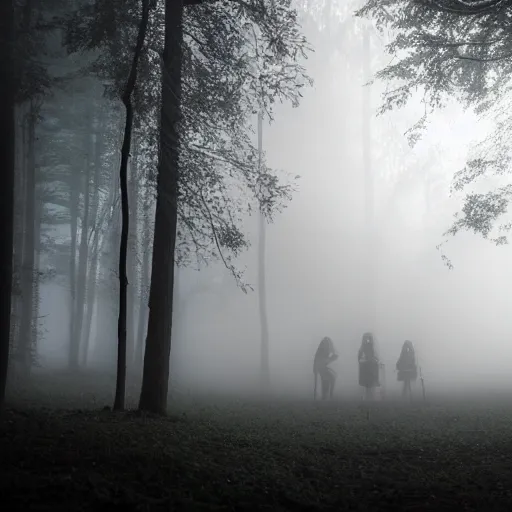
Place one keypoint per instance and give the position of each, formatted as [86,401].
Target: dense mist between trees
[318,259]
[254,252]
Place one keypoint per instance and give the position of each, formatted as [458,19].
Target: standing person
[368,365]
[407,368]
[325,354]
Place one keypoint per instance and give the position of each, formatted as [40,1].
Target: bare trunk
[155,378]
[19,222]
[262,289]
[105,346]
[83,256]
[91,297]
[93,267]
[132,256]
[371,288]
[7,160]
[37,277]
[24,353]
[123,246]
[144,281]
[73,224]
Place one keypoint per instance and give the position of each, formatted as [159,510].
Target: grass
[228,454]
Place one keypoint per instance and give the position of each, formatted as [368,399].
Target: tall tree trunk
[144,280]
[93,267]
[7,160]
[371,285]
[123,246]
[132,254]
[155,377]
[262,286]
[24,353]
[19,221]
[91,298]
[105,345]
[73,225]
[83,256]
[37,274]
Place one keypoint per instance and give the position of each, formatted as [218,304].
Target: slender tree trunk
[7,160]
[105,346]
[83,252]
[91,298]
[371,285]
[155,378]
[19,221]
[24,353]
[73,224]
[262,286]
[144,280]
[37,277]
[132,255]
[119,399]
[93,267]
[123,246]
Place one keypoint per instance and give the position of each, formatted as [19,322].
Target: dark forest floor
[250,455]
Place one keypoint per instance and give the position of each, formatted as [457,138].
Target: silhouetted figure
[407,368]
[368,365]
[325,354]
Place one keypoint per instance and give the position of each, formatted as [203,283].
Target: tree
[262,288]
[7,151]
[28,256]
[158,344]
[123,174]
[144,277]
[217,180]
[155,375]
[31,83]
[461,49]
[371,271]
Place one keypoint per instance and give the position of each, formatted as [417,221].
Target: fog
[317,257]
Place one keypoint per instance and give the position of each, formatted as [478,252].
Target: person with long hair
[407,367]
[325,354]
[368,365]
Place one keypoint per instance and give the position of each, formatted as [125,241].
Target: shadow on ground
[212,454]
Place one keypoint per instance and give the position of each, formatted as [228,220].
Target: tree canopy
[459,49]
[238,58]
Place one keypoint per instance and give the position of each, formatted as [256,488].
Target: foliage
[455,49]
[238,57]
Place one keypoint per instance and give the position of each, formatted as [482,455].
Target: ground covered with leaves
[234,454]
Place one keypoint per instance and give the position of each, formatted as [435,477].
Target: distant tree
[262,283]
[32,85]
[461,49]
[7,152]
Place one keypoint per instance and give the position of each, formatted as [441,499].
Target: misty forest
[255,255]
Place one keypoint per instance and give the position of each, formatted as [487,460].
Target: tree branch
[446,44]
[462,7]
[217,243]
[489,59]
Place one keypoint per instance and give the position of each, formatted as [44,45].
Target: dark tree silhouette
[123,246]
[153,396]
[7,151]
